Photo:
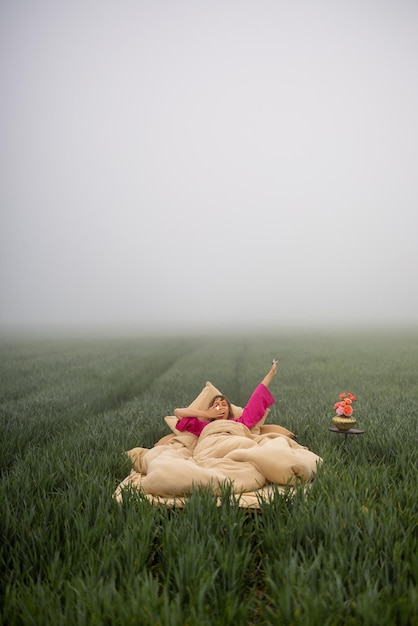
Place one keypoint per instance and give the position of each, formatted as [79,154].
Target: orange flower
[344,406]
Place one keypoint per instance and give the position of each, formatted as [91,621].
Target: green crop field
[343,553]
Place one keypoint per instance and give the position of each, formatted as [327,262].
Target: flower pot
[343,423]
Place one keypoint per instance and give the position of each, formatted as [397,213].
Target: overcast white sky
[192,164]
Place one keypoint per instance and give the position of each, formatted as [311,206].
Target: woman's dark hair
[220,397]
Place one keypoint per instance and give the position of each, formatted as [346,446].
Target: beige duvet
[225,453]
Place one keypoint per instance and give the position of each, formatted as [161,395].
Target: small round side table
[352,431]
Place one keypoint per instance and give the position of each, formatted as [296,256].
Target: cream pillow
[201,403]
[209,391]
[171,422]
[256,429]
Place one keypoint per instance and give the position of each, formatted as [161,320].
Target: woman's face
[222,404]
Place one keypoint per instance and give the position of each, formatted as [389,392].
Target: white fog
[186,165]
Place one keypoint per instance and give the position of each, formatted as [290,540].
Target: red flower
[344,406]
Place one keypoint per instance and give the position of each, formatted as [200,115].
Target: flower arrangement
[344,407]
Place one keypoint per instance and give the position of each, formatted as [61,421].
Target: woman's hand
[270,374]
[215,413]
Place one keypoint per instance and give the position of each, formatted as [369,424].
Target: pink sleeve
[257,405]
[191,425]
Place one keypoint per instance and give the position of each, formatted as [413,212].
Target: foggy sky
[194,164]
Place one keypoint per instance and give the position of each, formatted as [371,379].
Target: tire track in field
[38,425]
[155,368]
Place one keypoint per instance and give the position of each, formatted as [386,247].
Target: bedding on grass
[254,463]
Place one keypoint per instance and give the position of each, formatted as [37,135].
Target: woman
[220,408]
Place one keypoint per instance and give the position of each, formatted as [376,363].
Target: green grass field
[344,553]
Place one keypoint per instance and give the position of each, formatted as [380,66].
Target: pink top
[254,410]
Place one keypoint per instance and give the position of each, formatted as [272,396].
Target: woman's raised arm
[211,413]
[270,374]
